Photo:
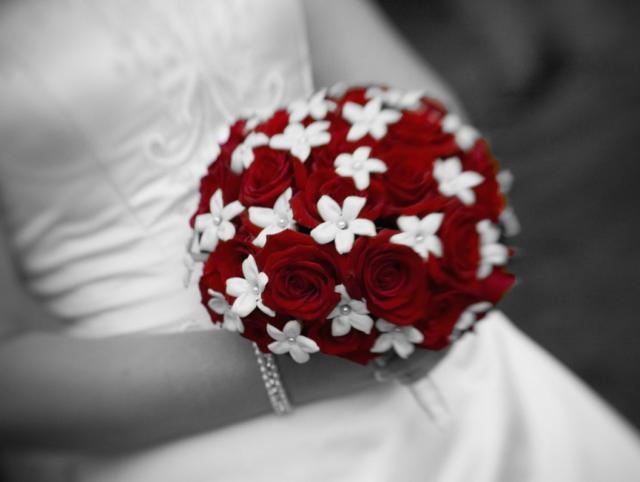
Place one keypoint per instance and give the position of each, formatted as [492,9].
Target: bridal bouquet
[352,223]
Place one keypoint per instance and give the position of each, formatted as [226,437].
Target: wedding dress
[108,116]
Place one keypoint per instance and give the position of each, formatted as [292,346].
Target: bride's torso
[108,117]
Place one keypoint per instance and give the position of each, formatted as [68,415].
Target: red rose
[302,276]
[391,277]
[444,310]
[458,266]
[354,346]
[270,174]
[325,181]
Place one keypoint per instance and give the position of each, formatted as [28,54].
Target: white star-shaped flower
[317,107]
[492,253]
[465,135]
[452,181]
[248,290]
[368,119]
[349,313]
[397,98]
[468,318]
[243,156]
[420,234]
[359,166]
[341,224]
[273,220]
[230,320]
[290,341]
[299,139]
[508,217]
[216,225]
[401,338]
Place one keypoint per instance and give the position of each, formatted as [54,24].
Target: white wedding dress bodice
[108,116]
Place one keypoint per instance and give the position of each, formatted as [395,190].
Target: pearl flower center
[345,309]
[342,224]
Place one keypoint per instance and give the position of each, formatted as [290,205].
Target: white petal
[262,217]
[468,179]
[329,209]
[378,130]
[359,307]
[218,304]
[231,210]
[209,239]
[215,203]
[282,203]
[360,322]
[384,325]
[413,334]
[279,347]
[484,270]
[237,286]
[466,137]
[344,240]
[232,322]
[340,326]
[409,224]
[434,245]
[361,179]
[281,142]
[244,304]
[403,347]
[352,206]
[431,223]
[226,231]
[250,269]
[324,233]
[275,333]
[265,309]
[357,132]
[292,329]
[383,343]
[342,291]
[301,150]
[298,354]
[203,221]
[352,112]
[389,116]
[343,159]
[307,344]
[375,165]
[363,227]
[261,239]
[467,196]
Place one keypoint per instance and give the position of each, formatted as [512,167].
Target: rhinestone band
[272,383]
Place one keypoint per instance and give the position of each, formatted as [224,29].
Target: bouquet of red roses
[352,223]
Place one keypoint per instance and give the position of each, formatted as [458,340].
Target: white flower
[316,107]
[369,119]
[359,166]
[248,290]
[397,98]
[290,341]
[230,320]
[338,89]
[273,220]
[508,216]
[492,253]
[420,234]
[299,139]
[256,116]
[401,338]
[348,314]
[452,181]
[468,318]
[216,224]
[221,136]
[243,156]
[465,135]
[342,224]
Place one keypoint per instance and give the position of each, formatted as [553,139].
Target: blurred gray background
[555,87]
